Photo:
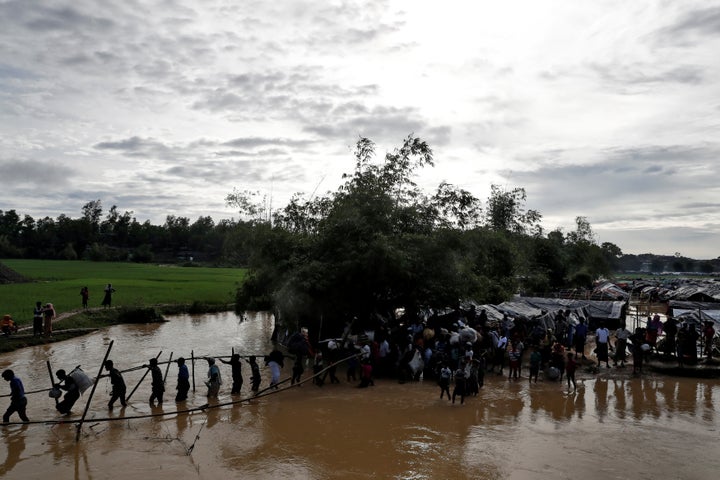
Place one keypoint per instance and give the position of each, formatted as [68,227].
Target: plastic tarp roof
[709,309]
[533,306]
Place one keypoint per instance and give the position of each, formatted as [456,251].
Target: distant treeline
[115,236]
[649,262]
[120,237]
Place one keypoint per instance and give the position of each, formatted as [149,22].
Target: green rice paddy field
[59,282]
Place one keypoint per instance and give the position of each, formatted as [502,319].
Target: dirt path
[60,317]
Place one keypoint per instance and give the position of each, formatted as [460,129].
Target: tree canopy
[379,243]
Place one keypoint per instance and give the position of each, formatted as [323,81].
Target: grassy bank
[137,285]
[83,322]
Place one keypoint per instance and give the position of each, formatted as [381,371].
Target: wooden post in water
[168,367]
[52,381]
[143,378]
[92,392]
[192,363]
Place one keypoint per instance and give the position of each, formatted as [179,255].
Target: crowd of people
[459,356]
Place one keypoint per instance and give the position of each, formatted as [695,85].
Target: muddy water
[615,426]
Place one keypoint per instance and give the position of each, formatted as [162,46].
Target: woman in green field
[107,300]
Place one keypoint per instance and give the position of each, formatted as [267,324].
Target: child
[297,371]
[317,368]
[366,374]
[444,381]
[352,364]
[8,326]
[514,360]
[459,385]
[535,361]
[570,367]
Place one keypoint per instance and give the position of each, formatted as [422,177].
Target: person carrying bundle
[68,384]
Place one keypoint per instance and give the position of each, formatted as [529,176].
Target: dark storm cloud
[204,162]
[241,146]
[252,142]
[22,172]
[691,27]
[617,181]
[132,145]
[260,153]
[41,17]
[298,94]
[9,71]
[381,124]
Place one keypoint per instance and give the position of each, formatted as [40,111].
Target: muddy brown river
[614,427]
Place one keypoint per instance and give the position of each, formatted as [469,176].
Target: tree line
[115,236]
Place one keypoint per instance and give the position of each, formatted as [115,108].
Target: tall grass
[59,282]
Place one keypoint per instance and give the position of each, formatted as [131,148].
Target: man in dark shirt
[118,385]
[158,386]
[183,381]
[72,395]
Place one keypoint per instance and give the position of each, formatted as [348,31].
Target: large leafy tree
[375,244]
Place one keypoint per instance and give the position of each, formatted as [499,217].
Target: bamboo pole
[141,379]
[52,381]
[192,363]
[167,368]
[92,392]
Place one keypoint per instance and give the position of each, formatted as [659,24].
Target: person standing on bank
[107,299]
[48,317]
[183,381]
[580,337]
[38,319]
[18,400]
[85,295]
[570,367]
[118,385]
[622,335]
[602,339]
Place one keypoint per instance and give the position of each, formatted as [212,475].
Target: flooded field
[615,426]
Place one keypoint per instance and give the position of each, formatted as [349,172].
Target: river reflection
[613,426]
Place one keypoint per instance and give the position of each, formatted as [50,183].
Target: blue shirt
[183,373]
[17,391]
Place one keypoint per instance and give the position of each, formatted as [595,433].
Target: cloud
[626,185]
[595,111]
[639,74]
[692,27]
[253,142]
[42,174]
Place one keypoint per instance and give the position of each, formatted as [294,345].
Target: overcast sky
[603,109]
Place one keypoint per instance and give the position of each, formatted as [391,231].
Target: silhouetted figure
[183,381]
[118,385]
[72,395]
[107,299]
[18,400]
